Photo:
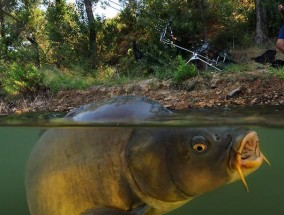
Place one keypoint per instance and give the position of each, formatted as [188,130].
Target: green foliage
[56,80]
[184,71]
[239,67]
[108,75]
[68,79]
[22,79]
[281,74]
[165,72]
[67,36]
[234,68]
[235,23]
[58,36]
[277,71]
[156,60]
[109,38]
[274,20]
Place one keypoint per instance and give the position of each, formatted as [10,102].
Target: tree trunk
[1,20]
[203,15]
[2,30]
[261,23]
[92,31]
[35,45]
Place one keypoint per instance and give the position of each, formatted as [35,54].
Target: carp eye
[199,144]
[199,147]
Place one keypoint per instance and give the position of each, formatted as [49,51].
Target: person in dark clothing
[280,39]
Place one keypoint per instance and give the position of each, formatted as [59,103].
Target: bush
[281,74]
[184,71]
[22,79]
[164,72]
[277,71]
[57,80]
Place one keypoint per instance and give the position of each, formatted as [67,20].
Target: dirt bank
[213,89]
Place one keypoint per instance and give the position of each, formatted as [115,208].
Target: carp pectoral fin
[112,211]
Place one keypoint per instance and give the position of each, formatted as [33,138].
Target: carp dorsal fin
[140,210]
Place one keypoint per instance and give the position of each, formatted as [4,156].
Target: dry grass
[4,109]
[246,55]
[23,104]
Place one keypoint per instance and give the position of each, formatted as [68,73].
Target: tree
[261,31]
[18,38]
[65,34]
[5,8]
[202,10]
[30,16]
[2,29]
[92,31]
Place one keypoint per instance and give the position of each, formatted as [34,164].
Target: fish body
[133,170]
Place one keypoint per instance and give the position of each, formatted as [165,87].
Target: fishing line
[110,4]
[115,3]
[114,8]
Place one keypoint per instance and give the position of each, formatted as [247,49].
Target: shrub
[164,72]
[184,71]
[57,80]
[22,79]
[277,71]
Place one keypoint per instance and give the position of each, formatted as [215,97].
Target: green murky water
[19,134]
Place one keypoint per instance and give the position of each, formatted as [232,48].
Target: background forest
[60,45]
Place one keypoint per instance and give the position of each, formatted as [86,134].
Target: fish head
[207,158]
[245,156]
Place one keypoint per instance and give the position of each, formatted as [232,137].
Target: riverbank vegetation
[58,45]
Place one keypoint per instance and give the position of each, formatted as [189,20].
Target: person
[280,39]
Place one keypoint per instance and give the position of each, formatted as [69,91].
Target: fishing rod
[197,54]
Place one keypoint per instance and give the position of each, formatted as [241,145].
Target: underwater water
[19,134]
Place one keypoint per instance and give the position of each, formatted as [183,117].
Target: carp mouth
[248,156]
